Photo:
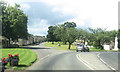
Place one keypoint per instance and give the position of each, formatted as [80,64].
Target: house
[31,40]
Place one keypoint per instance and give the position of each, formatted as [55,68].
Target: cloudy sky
[85,13]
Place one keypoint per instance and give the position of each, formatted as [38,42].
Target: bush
[4,46]
[96,44]
[13,60]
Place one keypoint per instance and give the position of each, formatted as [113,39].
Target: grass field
[73,47]
[65,47]
[27,57]
[96,49]
[62,47]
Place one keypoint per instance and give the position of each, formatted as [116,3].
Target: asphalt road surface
[111,59]
[50,59]
[70,61]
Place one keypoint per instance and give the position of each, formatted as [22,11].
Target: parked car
[82,48]
[37,43]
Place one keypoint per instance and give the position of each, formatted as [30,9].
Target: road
[111,59]
[50,59]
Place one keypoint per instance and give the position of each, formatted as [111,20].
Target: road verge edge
[98,55]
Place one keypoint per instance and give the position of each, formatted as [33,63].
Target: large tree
[71,36]
[70,24]
[60,33]
[83,34]
[119,38]
[14,22]
[66,32]
[101,36]
[51,36]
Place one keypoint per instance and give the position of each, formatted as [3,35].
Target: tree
[61,30]
[51,36]
[91,39]
[82,34]
[66,26]
[66,32]
[71,36]
[14,22]
[70,24]
[119,38]
[60,33]
[101,36]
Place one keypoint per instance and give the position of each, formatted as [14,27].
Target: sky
[85,13]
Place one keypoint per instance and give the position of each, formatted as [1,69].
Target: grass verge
[61,47]
[96,49]
[26,56]
[73,47]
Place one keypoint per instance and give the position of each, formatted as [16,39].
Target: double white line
[85,62]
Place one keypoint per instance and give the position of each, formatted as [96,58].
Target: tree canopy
[71,35]
[63,32]
[68,32]
[14,22]
[101,36]
[51,36]
[119,39]
[70,24]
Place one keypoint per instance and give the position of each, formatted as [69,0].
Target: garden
[24,57]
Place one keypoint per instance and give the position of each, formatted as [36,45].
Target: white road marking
[49,55]
[85,62]
[98,55]
[44,57]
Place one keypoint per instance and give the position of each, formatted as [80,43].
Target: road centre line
[86,63]
[49,55]
[45,57]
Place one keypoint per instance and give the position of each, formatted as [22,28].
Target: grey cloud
[41,11]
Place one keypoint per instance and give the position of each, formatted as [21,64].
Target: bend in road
[50,59]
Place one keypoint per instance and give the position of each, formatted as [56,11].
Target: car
[82,48]
[37,43]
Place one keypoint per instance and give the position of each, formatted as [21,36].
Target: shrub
[13,60]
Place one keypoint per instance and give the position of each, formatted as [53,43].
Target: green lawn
[27,57]
[73,47]
[65,47]
[62,47]
[96,49]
